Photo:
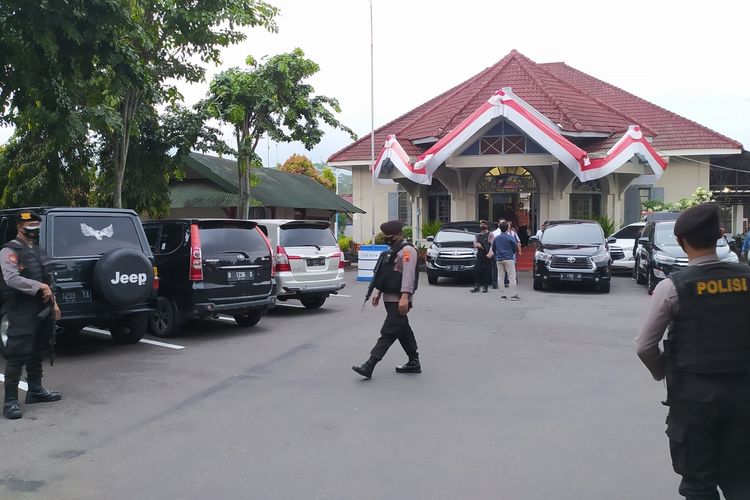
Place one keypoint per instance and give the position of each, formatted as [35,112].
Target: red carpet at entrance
[526,259]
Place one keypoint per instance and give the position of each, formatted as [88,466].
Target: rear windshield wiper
[310,245]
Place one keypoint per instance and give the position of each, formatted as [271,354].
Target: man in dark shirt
[504,248]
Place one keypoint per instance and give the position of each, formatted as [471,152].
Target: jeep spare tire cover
[124,277]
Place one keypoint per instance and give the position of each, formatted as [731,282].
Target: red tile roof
[577,102]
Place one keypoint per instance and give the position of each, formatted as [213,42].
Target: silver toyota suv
[309,263]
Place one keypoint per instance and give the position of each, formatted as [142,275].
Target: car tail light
[196,256]
[270,251]
[340,255]
[156,278]
[282,260]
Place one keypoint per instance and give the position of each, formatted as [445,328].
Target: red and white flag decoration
[506,104]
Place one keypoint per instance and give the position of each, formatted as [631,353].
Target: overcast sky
[688,56]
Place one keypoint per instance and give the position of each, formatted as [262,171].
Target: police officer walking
[28,314]
[706,362]
[396,281]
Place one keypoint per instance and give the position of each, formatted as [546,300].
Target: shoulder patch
[12,257]
[407,256]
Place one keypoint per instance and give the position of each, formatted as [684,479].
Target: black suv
[658,254]
[452,253]
[572,251]
[207,267]
[102,266]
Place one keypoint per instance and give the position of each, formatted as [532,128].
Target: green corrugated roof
[274,188]
[198,193]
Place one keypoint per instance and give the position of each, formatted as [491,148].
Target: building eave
[699,152]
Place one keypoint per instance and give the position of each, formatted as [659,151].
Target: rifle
[668,374]
[374,282]
[50,311]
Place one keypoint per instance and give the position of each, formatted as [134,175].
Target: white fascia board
[347,165]
[424,140]
[699,152]
[597,135]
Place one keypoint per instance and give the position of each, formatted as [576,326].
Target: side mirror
[611,240]
[430,239]
[642,239]
[533,239]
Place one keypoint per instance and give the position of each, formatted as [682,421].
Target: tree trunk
[122,144]
[243,162]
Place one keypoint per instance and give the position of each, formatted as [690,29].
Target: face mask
[483,228]
[390,239]
[31,232]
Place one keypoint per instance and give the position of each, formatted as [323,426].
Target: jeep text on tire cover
[140,278]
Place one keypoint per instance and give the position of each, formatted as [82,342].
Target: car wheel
[639,278]
[130,329]
[651,281]
[538,284]
[432,279]
[165,321]
[313,302]
[250,318]
[604,286]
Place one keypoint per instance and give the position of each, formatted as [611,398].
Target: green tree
[329,177]
[301,165]
[270,98]
[170,40]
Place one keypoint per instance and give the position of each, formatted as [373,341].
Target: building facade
[546,136]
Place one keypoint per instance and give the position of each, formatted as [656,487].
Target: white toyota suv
[309,264]
[621,250]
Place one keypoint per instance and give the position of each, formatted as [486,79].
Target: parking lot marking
[145,341]
[341,295]
[21,385]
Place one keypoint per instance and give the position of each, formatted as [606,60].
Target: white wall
[369,197]
[682,177]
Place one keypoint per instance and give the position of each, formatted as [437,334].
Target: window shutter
[393,206]
[632,205]
[657,194]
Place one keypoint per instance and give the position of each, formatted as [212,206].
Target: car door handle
[60,267]
[210,261]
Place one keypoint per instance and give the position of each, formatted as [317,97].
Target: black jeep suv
[102,267]
[572,251]
[207,267]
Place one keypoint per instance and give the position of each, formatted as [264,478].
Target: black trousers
[14,369]
[483,273]
[710,445]
[395,327]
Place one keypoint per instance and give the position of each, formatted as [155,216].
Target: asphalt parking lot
[538,399]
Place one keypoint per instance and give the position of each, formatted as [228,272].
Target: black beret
[699,219]
[392,227]
[27,216]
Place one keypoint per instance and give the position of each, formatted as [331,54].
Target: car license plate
[233,276]
[457,268]
[75,296]
[570,277]
[316,262]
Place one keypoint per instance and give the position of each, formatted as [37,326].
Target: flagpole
[372,123]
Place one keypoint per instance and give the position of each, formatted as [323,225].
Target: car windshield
[628,232]
[85,236]
[665,236]
[573,234]
[459,236]
[307,236]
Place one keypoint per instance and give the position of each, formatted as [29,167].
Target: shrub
[430,228]
[345,243]
[408,233]
[608,225]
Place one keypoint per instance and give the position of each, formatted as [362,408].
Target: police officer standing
[396,281]
[706,362]
[28,314]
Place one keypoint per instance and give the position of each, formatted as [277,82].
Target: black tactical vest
[32,262]
[387,279]
[711,331]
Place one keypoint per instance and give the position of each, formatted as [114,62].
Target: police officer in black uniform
[706,362]
[28,314]
[396,280]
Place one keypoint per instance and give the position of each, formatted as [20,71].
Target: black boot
[412,366]
[475,289]
[38,394]
[366,368]
[11,408]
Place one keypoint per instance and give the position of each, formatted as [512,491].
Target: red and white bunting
[506,104]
